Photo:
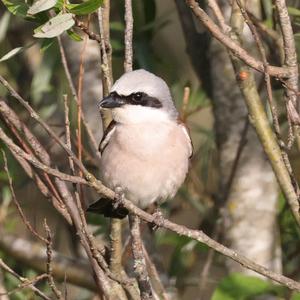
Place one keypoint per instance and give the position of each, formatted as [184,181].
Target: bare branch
[19,208]
[77,271]
[128,62]
[85,29]
[24,281]
[51,282]
[153,273]
[139,259]
[236,49]
[290,59]
[75,97]
[36,163]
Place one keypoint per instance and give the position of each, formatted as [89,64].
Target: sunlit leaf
[41,5]
[85,7]
[14,52]
[55,26]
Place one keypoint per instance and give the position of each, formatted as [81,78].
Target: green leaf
[14,52]
[59,4]
[47,43]
[41,5]
[85,7]
[294,11]
[16,7]
[55,26]
[237,286]
[74,36]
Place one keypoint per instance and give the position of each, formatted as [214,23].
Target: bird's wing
[107,135]
[187,134]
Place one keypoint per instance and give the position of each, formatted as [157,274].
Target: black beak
[111,102]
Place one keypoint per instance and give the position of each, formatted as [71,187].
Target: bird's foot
[119,198]
[158,219]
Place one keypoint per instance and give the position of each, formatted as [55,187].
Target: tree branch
[139,258]
[235,48]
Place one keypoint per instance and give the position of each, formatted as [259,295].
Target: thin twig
[51,282]
[79,116]
[128,61]
[36,163]
[34,146]
[290,60]
[49,191]
[75,97]
[68,131]
[33,255]
[208,261]
[25,282]
[235,48]
[153,273]
[262,52]
[19,208]
[185,102]
[106,57]
[214,6]
[85,29]
[115,236]
[139,259]
[272,104]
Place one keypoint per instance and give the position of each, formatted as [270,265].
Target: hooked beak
[111,102]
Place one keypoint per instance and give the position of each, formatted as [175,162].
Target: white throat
[133,114]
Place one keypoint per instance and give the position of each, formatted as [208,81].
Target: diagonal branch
[234,47]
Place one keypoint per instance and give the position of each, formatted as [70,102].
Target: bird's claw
[158,219]
[119,198]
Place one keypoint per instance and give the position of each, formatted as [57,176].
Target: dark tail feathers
[105,207]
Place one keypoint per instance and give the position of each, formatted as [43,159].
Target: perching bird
[146,149]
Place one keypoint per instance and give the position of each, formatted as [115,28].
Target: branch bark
[236,49]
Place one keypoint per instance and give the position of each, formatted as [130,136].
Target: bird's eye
[137,96]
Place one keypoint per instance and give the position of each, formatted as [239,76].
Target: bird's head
[140,96]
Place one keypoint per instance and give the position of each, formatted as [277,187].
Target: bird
[146,149]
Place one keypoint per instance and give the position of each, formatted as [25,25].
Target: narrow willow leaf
[55,26]
[59,4]
[41,5]
[74,36]
[84,8]
[14,52]
[47,43]
[16,7]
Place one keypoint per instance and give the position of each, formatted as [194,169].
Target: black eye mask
[138,99]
